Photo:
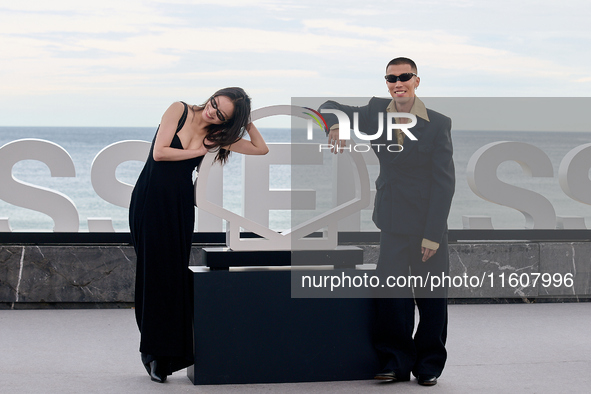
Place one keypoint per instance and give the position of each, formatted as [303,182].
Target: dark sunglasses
[217,111]
[402,77]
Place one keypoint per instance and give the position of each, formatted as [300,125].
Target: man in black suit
[413,199]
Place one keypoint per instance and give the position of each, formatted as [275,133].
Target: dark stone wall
[105,273]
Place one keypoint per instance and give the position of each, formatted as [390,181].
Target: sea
[84,143]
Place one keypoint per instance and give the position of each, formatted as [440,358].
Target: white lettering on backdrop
[573,177]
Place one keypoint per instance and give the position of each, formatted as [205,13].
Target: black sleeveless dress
[161,220]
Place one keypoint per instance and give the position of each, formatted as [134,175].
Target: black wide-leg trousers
[400,351]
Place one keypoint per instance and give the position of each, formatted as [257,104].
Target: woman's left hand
[255,146]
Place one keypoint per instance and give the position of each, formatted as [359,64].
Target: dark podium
[249,329]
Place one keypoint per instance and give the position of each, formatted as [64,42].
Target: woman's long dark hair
[231,131]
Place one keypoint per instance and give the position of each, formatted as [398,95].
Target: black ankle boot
[157,372]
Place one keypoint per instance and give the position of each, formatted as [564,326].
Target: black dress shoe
[155,371]
[386,376]
[427,380]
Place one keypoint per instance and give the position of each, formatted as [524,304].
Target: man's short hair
[403,60]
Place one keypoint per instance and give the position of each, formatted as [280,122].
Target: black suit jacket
[415,186]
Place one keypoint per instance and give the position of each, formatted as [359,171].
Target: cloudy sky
[121,63]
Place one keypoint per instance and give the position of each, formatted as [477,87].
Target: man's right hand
[333,139]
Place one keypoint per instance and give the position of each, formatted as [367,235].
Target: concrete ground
[521,348]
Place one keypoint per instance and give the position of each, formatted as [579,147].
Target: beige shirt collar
[418,109]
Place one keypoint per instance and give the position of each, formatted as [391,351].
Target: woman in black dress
[162,217]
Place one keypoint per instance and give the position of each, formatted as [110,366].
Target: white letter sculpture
[482,179]
[23,194]
[295,238]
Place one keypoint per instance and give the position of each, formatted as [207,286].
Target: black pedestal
[248,329]
[217,258]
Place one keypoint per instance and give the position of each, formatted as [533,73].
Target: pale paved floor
[536,348]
